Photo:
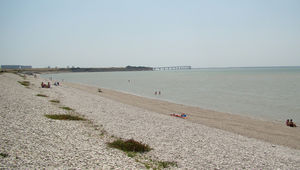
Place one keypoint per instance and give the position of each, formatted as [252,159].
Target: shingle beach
[29,140]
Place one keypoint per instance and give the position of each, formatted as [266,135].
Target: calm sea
[262,93]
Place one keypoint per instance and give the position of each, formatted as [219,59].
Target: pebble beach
[29,140]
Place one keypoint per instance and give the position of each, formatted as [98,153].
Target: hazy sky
[211,33]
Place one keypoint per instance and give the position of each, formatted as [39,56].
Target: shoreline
[30,140]
[266,119]
[249,96]
[266,130]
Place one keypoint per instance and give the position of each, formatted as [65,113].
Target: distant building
[15,67]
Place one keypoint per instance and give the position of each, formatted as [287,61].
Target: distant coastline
[127,68]
[78,69]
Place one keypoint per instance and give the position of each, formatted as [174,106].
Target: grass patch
[23,76]
[55,101]
[103,132]
[41,95]
[166,164]
[155,164]
[131,154]
[66,108]
[24,83]
[4,155]
[19,74]
[64,117]
[147,166]
[129,146]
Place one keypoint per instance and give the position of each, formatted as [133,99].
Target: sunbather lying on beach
[183,115]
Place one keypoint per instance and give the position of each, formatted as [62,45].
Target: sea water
[262,93]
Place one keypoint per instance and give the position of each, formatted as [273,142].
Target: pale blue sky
[211,33]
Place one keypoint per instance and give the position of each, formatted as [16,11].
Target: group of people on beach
[157,92]
[289,122]
[43,85]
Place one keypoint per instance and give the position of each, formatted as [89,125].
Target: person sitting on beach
[287,122]
[292,124]
[48,85]
[43,85]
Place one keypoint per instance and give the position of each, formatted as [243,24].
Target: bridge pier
[172,68]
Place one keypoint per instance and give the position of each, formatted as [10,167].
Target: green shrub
[41,95]
[64,117]
[66,108]
[4,155]
[131,154]
[55,101]
[166,164]
[21,75]
[24,83]
[129,146]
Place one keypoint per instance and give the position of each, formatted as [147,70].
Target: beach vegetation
[131,154]
[129,146]
[22,75]
[41,95]
[67,108]
[19,74]
[54,101]
[103,132]
[166,164]
[64,117]
[147,166]
[154,164]
[24,83]
[4,155]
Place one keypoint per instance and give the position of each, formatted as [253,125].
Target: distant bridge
[172,68]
